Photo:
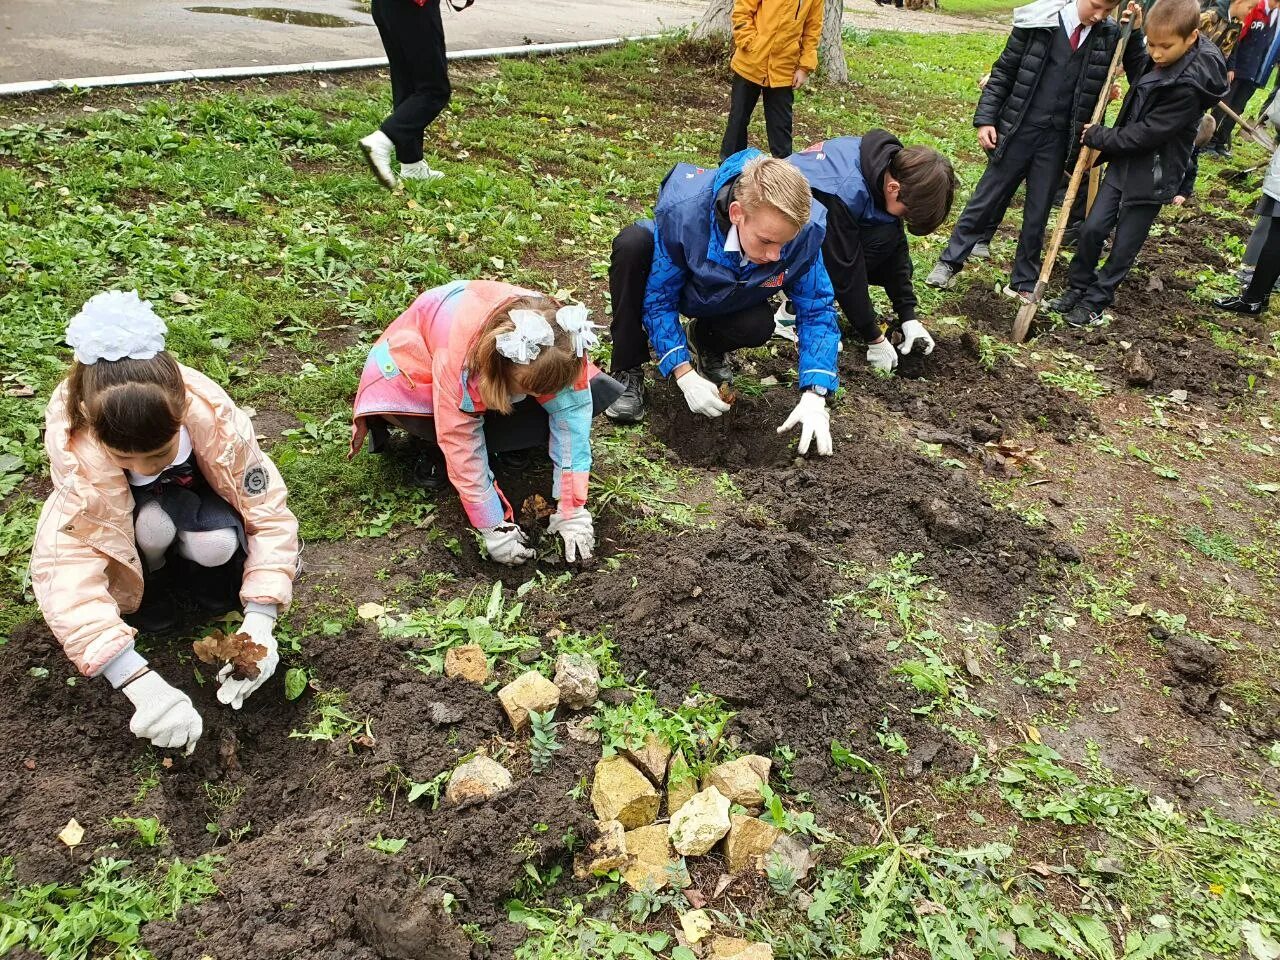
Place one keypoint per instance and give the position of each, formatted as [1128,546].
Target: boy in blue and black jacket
[1147,153]
[1249,64]
[1042,89]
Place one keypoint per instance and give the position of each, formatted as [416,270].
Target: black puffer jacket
[1017,73]
[1151,144]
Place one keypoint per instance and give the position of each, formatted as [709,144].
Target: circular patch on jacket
[255,481]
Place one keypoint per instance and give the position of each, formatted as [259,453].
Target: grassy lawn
[1093,818]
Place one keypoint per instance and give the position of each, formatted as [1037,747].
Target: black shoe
[158,613]
[429,471]
[714,366]
[1241,305]
[1082,316]
[628,408]
[513,459]
[1066,301]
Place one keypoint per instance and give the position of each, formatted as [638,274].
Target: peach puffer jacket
[85,568]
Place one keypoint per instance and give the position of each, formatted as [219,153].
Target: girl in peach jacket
[157,478]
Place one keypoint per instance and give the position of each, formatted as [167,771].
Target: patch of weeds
[147,831]
[694,728]
[643,489]
[993,350]
[328,720]
[482,617]
[1075,377]
[108,905]
[571,933]
[1039,787]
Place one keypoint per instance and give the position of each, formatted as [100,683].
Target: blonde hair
[768,181]
[496,377]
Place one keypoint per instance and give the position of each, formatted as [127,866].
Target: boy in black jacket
[1040,92]
[1147,153]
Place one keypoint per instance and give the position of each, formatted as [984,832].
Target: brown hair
[1180,17]
[133,406]
[496,377]
[768,181]
[927,185]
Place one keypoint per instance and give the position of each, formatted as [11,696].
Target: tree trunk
[716,22]
[831,60]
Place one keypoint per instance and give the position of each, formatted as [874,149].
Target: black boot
[628,408]
[1239,304]
[513,459]
[429,470]
[714,366]
[158,612]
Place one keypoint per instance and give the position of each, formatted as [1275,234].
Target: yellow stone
[696,925]
[621,792]
[529,693]
[733,948]
[748,839]
[467,662]
[740,780]
[607,852]
[651,758]
[650,849]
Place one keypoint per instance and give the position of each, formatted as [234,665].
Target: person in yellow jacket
[775,48]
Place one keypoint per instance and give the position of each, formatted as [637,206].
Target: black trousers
[1268,270]
[413,37]
[1034,155]
[629,267]
[525,427]
[777,117]
[1131,223]
[1237,99]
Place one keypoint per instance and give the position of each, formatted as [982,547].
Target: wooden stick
[1022,323]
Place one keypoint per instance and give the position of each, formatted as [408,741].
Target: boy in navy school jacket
[1147,153]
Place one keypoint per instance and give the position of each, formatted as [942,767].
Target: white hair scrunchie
[573,321]
[114,325]
[525,342]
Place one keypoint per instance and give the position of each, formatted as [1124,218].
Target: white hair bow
[525,342]
[573,321]
[114,325]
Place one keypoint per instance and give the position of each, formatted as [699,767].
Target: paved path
[49,40]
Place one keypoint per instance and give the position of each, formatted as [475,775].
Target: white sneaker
[378,149]
[784,323]
[419,171]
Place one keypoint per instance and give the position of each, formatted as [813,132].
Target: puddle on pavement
[297,18]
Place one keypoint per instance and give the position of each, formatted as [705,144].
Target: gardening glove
[881,354]
[815,423]
[701,394]
[260,626]
[912,331]
[162,714]
[505,543]
[578,533]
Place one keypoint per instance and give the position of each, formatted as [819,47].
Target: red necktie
[1075,37]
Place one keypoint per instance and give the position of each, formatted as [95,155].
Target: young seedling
[543,743]
[236,649]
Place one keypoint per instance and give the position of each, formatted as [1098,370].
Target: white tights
[155,534]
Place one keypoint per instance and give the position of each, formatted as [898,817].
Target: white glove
[881,354]
[578,533]
[260,627]
[162,714]
[506,544]
[701,394]
[912,331]
[815,423]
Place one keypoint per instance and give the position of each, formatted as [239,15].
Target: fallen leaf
[72,834]
[722,885]
[1033,734]
[370,611]
[928,908]
[1042,870]
[29,763]
[179,297]
[21,390]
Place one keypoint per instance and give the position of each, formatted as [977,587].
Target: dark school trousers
[413,37]
[1131,223]
[777,117]
[1237,99]
[1034,155]
[629,267]
[1268,270]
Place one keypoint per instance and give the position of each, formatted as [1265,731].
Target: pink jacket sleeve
[461,438]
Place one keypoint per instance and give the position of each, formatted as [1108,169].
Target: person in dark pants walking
[1249,65]
[775,48]
[1146,152]
[413,35]
[1040,93]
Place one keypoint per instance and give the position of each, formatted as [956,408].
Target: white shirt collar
[184,450]
[1071,19]
[733,245]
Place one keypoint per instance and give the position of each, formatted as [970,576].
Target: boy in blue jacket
[722,242]
[869,185]
[1146,152]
